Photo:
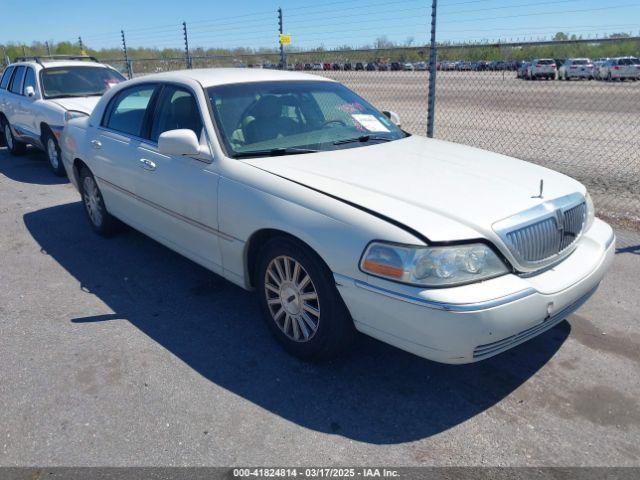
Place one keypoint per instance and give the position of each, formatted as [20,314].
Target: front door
[179,194]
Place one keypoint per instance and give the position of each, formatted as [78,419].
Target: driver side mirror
[393,116]
[29,91]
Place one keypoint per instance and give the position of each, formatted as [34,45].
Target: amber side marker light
[386,270]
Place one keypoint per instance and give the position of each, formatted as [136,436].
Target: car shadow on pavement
[30,168]
[375,393]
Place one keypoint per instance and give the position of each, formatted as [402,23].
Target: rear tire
[14,146]
[300,301]
[101,221]
[54,156]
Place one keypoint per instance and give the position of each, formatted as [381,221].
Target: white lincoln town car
[293,186]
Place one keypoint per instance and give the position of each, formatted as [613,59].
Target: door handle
[97,144]
[147,164]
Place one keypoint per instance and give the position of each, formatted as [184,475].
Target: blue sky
[253,23]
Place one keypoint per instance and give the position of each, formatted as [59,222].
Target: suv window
[16,81]
[126,112]
[177,108]
[6,77]
[29,80]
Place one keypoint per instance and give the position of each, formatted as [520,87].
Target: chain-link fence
[587,126]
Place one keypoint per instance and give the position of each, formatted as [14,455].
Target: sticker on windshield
[371,123]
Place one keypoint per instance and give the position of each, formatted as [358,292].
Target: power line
[557,12]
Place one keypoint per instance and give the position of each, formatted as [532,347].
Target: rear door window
[16,82]
[126,112]
[6,77]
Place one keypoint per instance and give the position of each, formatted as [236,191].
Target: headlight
[432,266]
[591,211]
[69,114]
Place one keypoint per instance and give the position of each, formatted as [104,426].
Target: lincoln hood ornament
[541,190]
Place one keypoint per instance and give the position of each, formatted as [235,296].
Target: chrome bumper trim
[448,307]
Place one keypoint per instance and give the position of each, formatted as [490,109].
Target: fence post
[81,45]
[126,56]
[187,55]
[48,48]
[433,58]
[283,55]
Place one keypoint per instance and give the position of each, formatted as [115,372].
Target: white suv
[38,95]
[576,68]
[542,68]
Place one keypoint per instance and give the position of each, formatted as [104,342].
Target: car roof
[210,77]
[60,63]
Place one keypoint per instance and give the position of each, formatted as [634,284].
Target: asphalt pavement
[119,352]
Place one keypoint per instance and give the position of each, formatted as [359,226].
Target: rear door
[14,92]
[4,86]
[114,144]
[178,194]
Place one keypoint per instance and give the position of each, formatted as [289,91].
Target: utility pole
[433,58]
[24,51]
[48,48]
[126,56]
[81,45]
[187,55]
[283,55]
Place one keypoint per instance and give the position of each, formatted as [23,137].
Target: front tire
[15,147]
[300,302]
[54,156]
[101,221]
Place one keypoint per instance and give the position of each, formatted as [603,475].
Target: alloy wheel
[7,136]
[292,298]
[91,198]
[52,153]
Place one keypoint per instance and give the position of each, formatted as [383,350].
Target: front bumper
[473,322]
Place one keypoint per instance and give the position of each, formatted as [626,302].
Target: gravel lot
[119,352]
[586,129]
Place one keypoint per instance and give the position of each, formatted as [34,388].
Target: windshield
[59,82]
[260,117]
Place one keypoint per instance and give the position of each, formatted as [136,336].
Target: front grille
[548,237]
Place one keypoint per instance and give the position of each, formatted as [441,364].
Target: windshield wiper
[274,152]
[363,139]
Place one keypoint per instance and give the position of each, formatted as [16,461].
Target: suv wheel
[300,301]
[101,221]
[54,156]
[15,147]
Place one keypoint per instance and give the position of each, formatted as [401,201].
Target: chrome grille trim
[545,233]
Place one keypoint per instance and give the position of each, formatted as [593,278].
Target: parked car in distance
[359,66]
[576,68]
[326,66]
[371,67]
[421,66]
[620,69]
[336,66]
[542,68]
[335,217]
[523,70]
[348,66]
[383,67]
[318,66]
[408,67]
[38,95]
[396,66]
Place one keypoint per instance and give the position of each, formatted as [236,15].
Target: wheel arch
[78,164]
[255,244]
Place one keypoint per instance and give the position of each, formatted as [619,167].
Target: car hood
[443,190]
[80,104]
